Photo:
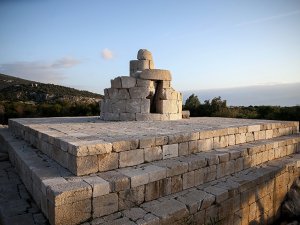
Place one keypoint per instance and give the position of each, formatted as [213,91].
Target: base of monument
[158,172]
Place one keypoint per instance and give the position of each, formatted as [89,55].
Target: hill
[17,89]
[25,98]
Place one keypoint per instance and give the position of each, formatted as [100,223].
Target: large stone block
[133,106]
[99,185]
[152,191]
[144,54]
[205,144]
[113,93]
[109,161]
[105,205]
[128,82]
[144,83]
[117,180]
[155,74]
[168,210]
[123,94]
[119,146]
[118,106]
[153,154]
[127,116]
[168,94]
[131,158]
[147,142]
[167,106]
[137,177]
[139,92]
[183,148]
[109,116]
[145,106]
[188,180]
[65,193]
[139,65]
[116,83]
[132,197]
[71,213]
[170,151]
[174,116]
[83,165]
[148,116]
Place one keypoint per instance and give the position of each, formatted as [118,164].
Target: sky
[206,45]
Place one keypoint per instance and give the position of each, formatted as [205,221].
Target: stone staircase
[197,171]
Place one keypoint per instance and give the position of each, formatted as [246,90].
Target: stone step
[61,195]
[88,145]
[252,196]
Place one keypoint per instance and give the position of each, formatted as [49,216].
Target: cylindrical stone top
[144,54]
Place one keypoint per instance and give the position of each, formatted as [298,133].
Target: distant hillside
[17,89]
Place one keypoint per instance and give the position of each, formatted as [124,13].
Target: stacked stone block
[145,95]
[180,178]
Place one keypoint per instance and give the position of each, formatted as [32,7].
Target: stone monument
[146,94]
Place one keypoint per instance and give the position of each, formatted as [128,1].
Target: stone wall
[146,94]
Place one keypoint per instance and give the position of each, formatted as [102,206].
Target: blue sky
[205,44]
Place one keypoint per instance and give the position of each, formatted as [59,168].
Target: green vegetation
[21,109]
[16,89]
[24,98]
[218,107]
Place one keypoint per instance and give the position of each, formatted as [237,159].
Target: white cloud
[264,19]
[65,62]
[38,70]
[107,54]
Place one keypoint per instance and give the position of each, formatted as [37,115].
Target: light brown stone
[155,74]
[105,205]
[71,213]
[131,158]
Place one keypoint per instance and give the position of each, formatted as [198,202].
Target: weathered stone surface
[144,54]
[168,210]
[145,106]
[127,116]
[133,105]
[139,65]
[83,165]
[167,106]
[185,114]
[170,151]
[118,106]
[148,116]
[71,213]
[105,205]
[99,185]
[155,74]
[70,192]
[181,171]
[117,180]
[139,92]
[128,82]
[153,154]
[116,83]
[131,158]
[145,83]
[137,177]
[132,197]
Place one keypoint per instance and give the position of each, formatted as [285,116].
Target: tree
[218,106]
[192,104]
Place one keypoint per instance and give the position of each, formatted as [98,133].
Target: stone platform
[89,145]
[84,170]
